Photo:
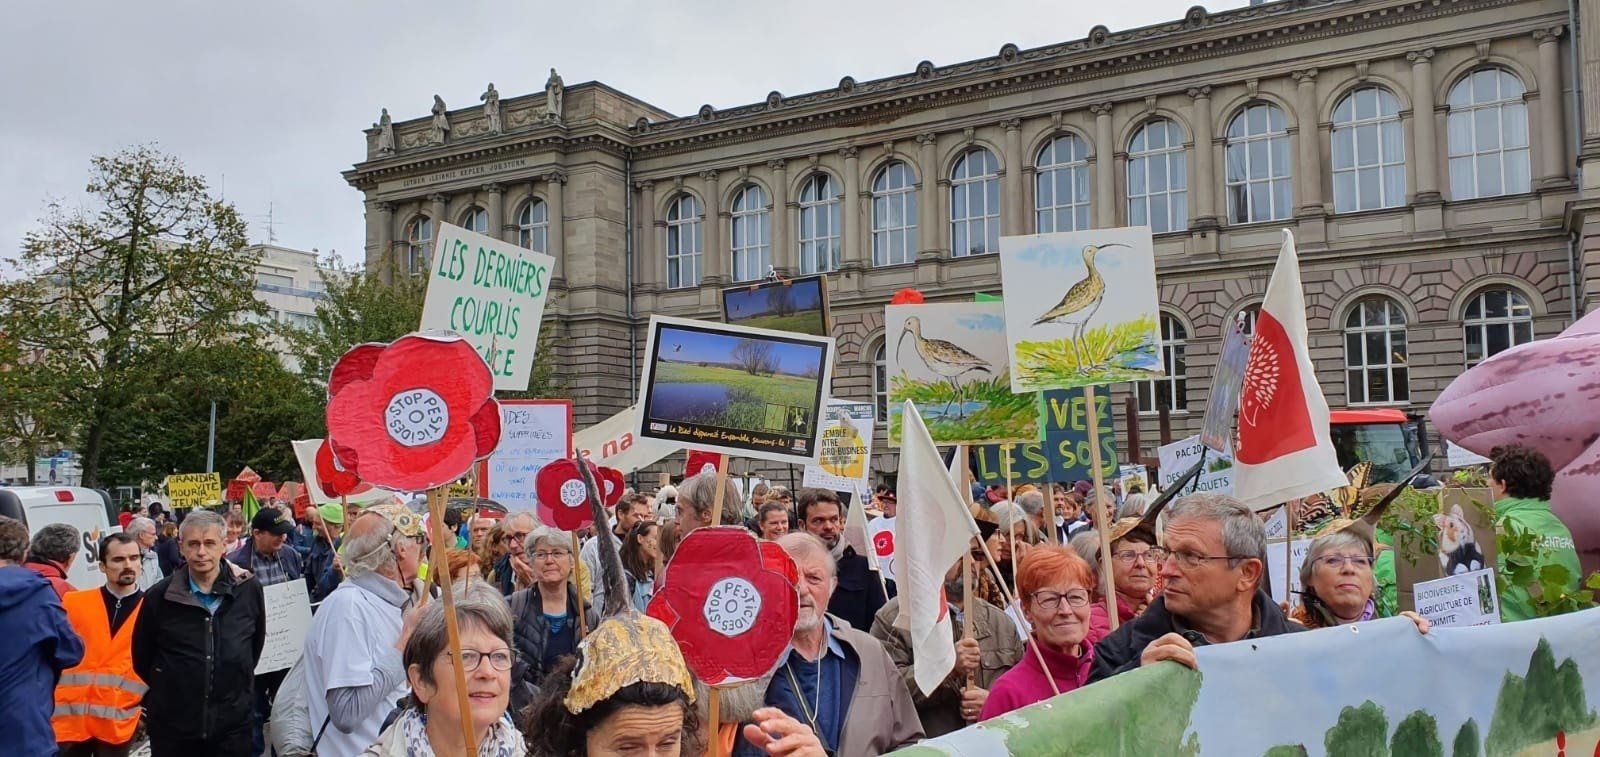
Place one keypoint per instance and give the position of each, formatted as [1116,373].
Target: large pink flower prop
[730,602]
[413,414]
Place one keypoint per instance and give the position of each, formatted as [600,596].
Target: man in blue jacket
[36,644]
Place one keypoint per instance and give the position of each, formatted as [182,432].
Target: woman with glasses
[546,614]
[1057,592]
[1337,583]
[1135,561]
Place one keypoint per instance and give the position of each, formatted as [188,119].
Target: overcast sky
[267,99]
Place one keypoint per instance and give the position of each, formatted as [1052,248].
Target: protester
[1070,515]
[512,572]
[36,644]
[1337,582]
[308,523]
[1216,555]
[990,651]
[143,530]
[631,509]
[836,679]
[167,551]
[409,552]
[97,702]
[696,495]
[1057,593]
[51,553]
[772,521]
[1135,558]
[667,504]
[324,569]
[858,594]
[271,561]
[1133,506]
[463,565]
[782,495]
[200,704]
[668,540]
[478,531]
[1520,480]
[1032,504]
[885,501]
[235,533]
[641,563]
[546,614]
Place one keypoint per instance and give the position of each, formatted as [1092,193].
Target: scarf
[501,741]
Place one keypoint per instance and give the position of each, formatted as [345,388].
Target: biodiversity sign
[1063,456]
[194,489]
[492,293]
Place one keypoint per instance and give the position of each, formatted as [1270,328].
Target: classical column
[1309,165]
[928,199]
[716,270]
[494,205]
[647,269]
[1202,185]
[784,251]
[1011,202]
[1105,180]
[555,205]
[1553,165]
[850,210]
[380,227]
[1424,126]
[437,203]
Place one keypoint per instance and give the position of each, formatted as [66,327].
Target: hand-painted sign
[492,293]
[1063,456]
[194,489]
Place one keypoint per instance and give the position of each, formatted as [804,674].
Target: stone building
[1424,152]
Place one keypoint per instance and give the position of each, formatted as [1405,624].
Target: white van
[88,510]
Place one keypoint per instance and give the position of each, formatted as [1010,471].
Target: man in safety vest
[97,702]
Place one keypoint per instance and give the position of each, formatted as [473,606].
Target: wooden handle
[440,569]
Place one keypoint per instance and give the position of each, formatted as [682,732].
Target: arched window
[1488,136]
[1496,320]
[1258,165]
[1172,390]
[880,382]
[975,204]
[751,237]
[1249,316]
[419,241]
[533,226]
[1375,352]
[894,215]
[820,223]
[1369,152]
[475,219]
[1061,186]
[1158,180]
[684,242]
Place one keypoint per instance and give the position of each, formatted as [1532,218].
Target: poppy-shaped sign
[413,414]
[333,477]
[701,462]
[563,497]
[730,601]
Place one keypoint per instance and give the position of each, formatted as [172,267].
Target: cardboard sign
[949,360]
[1463,533]
[881,531]
[612,443]
[1468,599]
[1277,526]
[1133,478]
[1298,549]
[532,433]
[798,305]
[1063,456]
[697,462]
[288,620]
[1178,457]
[194,489]
[1222,404]
[492,293]
[844,456]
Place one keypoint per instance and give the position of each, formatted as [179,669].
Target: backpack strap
[320,731]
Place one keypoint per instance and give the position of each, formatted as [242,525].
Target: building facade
[290,283]
[1426,155]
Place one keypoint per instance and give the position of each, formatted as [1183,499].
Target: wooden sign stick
[714,705]
[577,590]
[1288,552]
[1011,531]
[722,486]
[1101,510]
[441,568]
[966,607]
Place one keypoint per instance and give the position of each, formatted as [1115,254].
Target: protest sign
[532,433]
[1275,567]
[1134,478]
[1468,599]
[1457,456]
[1222,404]
[845,452]
[949,360]
[1458,539]
[612,443]
[881,531]
[194,489]
[1063,456]
[798,305]
[288,620]
[306,452]
[1178,457]
[493,293]
[1277,526]
[734,390]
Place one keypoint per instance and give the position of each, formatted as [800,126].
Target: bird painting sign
[949,360]
[1080,308]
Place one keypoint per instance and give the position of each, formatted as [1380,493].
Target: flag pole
[966,605]
[441,568]
[1101,510]
[722,486]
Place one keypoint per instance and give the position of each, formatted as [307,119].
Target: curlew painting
[1080,308]
[949,359]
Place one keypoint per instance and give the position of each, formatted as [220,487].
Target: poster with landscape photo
[736,390]
[797,305]
[949,359]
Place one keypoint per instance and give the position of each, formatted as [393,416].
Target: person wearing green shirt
[1520,480]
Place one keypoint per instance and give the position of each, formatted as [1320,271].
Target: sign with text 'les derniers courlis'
[493,293]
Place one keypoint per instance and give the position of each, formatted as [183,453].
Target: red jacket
[55,572]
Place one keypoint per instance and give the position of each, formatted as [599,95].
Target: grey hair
[1087,544]
[1032,502]
[369,551]
[1008,514]
[699,492]
[202,519]
[804,544]
[478,605]
[1326,543]
[550,534]
[1243,535]
[519,515]
[57,542]
[1133,506]
[140,525]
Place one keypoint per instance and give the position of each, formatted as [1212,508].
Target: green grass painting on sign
[1106,355]
[978,412]
[748,396]
[802,323]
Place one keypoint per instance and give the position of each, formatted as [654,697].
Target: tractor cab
[1387,438]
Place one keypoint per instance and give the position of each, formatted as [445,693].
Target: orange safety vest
[99,698]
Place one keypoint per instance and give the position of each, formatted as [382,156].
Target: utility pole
[211,441]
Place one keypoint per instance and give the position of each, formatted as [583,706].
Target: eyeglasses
[1152,556]
[551,554]
[1050,601]
[516,536]
[1337,562]
[500,659]
[1193,560]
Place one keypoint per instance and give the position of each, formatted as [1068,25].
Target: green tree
[1417,736]
[1361,732]
[152,260]
[32,416]
[1467,743]
[1533,709]
[1287,750]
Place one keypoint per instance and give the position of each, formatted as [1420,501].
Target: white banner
[1457,456]
[492,293]
[288,620]
[612,443]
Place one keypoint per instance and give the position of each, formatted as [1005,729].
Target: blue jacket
[36,644]
[321,577]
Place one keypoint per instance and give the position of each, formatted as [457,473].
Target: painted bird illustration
[1081,301]
[945,359]
[677,348]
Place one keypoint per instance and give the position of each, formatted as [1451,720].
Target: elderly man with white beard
[834,678]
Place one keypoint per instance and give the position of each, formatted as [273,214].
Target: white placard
[492,293]
[1277,526]
[881,531]
[288,620]
[532,433]
[612,443]
[1297,557]
[846,444]
[1465,599]
[1461,457]
[1178,457]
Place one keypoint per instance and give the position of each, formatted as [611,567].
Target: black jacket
[859,595]
[530,633]
[1120,651]
[200,667]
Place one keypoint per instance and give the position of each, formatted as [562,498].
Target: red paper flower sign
[335,480]
[413,414]
[883,543]
[563,497]
[610,479]
[730,602]
[906,296]
[700,462]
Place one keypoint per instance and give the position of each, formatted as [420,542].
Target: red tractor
[1389,439]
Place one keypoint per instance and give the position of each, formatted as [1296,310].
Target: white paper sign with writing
[844,454]
[612,443]
[1461,457]
[288,620]
[1275,566]
[492,293]
[532,433]
[1465,599]
[1277,526]
[1178,457]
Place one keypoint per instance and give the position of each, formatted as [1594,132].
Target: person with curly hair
[1520,481]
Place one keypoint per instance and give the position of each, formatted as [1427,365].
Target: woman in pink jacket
[1056,588]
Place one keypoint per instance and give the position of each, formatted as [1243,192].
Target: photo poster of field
[797,305]
[1080,308]
[949,359]
[735,390]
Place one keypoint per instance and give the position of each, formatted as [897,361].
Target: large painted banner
[1527,688]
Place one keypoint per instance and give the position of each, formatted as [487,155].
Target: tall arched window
[1488,136]
[894,215]
[1172,390]
[880,382]
[820,223]
[533,226]
[1375,352]
[684,242]
[1369,152]
[1061,186]
[751,237]
[1496,320]
[975,204]
[419,241]
[1158,179]
[1258,165]
[475,219]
